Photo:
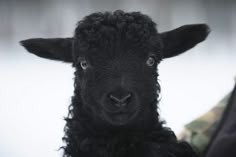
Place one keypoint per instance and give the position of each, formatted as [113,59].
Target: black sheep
[114,108]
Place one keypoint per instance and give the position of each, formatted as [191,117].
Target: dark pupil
[84,64]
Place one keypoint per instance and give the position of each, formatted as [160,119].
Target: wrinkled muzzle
[120,105]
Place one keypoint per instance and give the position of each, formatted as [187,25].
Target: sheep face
[116,57]
[117,89]
[118,86]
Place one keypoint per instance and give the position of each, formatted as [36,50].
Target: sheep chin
[119,119]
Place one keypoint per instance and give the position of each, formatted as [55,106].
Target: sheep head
[116,56]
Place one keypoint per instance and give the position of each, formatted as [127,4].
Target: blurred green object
[198,132]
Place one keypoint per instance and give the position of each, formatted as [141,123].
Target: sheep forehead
[115,32]
[118,20]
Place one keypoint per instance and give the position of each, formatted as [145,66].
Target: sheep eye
[84,64]
[150,61]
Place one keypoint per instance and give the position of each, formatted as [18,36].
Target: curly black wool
[100,32]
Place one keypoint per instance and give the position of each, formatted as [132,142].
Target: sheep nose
[120,101]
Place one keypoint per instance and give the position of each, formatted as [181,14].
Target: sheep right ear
[51,48]
[183,38]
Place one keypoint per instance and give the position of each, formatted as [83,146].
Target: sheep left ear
[183,38]
[51,48]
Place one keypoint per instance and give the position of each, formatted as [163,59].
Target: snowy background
[35,93]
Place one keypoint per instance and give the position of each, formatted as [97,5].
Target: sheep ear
[52,48]
[183,38]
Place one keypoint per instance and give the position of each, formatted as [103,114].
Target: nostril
[126,98]
[113,98]
[120,102]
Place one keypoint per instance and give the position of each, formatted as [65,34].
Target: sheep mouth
[119,118]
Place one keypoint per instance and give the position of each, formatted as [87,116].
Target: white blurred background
[35,93]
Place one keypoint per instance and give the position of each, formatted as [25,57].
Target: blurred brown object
[201,132]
